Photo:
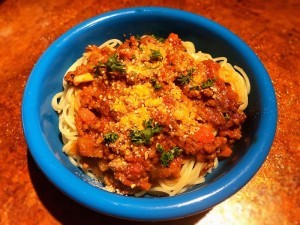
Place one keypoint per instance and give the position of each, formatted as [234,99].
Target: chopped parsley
[159,148]
[208,83]
[155,55]
[197,88]
[110,137]
[185,79]
[113,64]
[158,38]
[155,84]
[168,156]
[144,136]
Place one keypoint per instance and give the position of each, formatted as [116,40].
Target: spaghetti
[149,115]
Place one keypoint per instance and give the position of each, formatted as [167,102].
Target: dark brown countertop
[272,30]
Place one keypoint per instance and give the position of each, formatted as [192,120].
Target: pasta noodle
[192,169]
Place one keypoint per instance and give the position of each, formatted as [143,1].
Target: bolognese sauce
[148,105]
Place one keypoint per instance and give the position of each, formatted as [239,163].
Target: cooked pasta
[150,115]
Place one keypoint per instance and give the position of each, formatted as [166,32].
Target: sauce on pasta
[150,115]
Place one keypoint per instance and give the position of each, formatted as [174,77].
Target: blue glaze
[40,122]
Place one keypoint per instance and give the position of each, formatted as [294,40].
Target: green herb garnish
[155,84]
[168,156]
[144,136]
[160,39]
[197,88]
[113,64]
[208,83]
[156,55]
[110,137]
[159,148]
[185,79]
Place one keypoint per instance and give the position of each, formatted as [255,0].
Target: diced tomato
[86,115]
[174,40]
[86,147]
[204,135]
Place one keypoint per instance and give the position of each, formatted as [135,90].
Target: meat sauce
[148,107]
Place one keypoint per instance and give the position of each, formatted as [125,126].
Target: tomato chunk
[204,135]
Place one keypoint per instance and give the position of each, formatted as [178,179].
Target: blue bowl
[40,121]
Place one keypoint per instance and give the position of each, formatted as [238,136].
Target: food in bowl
[150,115]
[44,140]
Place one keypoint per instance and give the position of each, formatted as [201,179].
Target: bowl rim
[148,208]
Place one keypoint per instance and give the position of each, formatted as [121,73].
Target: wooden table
[272,30]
